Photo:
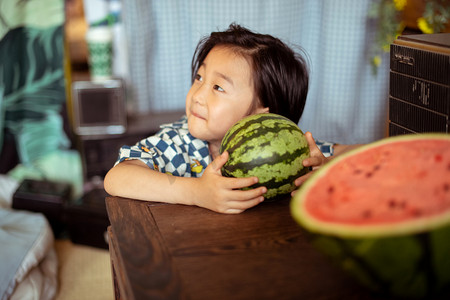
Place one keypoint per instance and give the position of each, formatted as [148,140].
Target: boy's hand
[224,194]
[315,160]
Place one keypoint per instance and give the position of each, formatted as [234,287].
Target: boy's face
[221,95]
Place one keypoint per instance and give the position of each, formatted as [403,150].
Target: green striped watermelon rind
[410,259]
[254,161]
[411,266]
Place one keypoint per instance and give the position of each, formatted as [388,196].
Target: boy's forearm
[134,180]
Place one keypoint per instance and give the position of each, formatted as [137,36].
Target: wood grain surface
[184,252]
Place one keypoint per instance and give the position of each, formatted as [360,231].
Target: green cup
[99,42]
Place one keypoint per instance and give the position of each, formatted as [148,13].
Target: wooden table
[164,251]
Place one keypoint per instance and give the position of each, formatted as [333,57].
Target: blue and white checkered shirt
[174,150]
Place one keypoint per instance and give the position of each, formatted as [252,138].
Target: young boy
[235,73]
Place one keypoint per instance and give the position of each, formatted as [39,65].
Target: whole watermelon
[268,146]
[383,213]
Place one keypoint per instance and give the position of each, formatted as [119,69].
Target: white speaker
[99,107]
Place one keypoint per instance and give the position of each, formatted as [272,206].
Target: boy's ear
[262,110]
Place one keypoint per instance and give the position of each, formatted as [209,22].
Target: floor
[84,272]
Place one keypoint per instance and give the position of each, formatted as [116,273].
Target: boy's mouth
[197,115]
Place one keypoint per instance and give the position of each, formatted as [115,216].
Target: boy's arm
[133,179]
[317,158]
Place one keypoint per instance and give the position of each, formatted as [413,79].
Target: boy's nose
[200,94]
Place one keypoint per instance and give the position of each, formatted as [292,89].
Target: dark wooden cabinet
[99,152]
[166,251]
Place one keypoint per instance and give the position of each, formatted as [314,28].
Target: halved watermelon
[383,213]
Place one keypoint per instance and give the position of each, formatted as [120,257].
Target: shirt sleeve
[326,148]
[159,152]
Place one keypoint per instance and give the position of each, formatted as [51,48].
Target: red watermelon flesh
[382,212]
[390,183]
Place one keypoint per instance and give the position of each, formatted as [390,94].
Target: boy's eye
[198,77]
[216,87]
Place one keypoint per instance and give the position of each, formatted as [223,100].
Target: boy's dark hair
[280,75]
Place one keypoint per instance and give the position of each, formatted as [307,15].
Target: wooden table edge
[149,261]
